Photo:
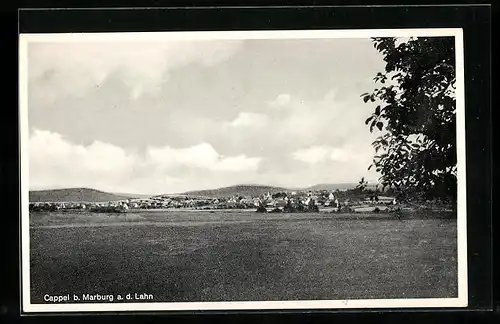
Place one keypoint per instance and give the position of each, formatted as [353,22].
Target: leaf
[371,165]
[380,125]
[377,111]
[366,98]
[397,75]
[364,94]
[372,125]
[368,120]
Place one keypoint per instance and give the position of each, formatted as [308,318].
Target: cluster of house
[320,199]
[313,201]
[83,206]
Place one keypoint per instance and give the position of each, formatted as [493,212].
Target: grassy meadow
[243,256]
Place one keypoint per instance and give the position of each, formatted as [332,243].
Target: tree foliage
[414,112]
[362,184]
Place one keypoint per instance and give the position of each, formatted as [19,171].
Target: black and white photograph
[233,170]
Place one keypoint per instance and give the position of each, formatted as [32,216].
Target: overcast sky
[165,117]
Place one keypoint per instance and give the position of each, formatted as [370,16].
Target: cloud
[55,162]
[237,164]
[343,155]
[335,164]
[200,156]
[309,122]
[312,155]
[51,149]
[324,153]
[246,119]
[280,101]
[313,140]
[72,68]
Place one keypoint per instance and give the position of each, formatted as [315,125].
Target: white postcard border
[460,301]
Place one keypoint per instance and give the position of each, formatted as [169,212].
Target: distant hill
[256,190]
[138,196]
[73,195]
[340,186]
[332,186]
[244,190]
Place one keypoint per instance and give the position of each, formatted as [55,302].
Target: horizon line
[191,190]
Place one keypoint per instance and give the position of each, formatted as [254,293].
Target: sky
[172,116]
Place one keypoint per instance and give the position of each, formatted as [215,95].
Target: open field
[221,256]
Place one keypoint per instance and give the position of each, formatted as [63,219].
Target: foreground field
[204,256]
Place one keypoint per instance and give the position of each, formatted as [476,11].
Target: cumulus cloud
[200,156]
[72,68]
[323,139]
[312,155]
[51,149]
[55,162]
[246,119]
[237,164]
[325,120]
[322,153]
[343,155]
[280,101]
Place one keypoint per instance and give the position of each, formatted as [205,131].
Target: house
[280,203]
[270,203]
[247,201]
[387,200]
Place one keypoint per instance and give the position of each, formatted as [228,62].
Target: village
[294,201]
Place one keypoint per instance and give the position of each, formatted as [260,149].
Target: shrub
[261,209]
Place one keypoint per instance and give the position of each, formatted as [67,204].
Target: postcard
[243,170]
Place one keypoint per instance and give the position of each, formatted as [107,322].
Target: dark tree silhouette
[362,184]
[415,114]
